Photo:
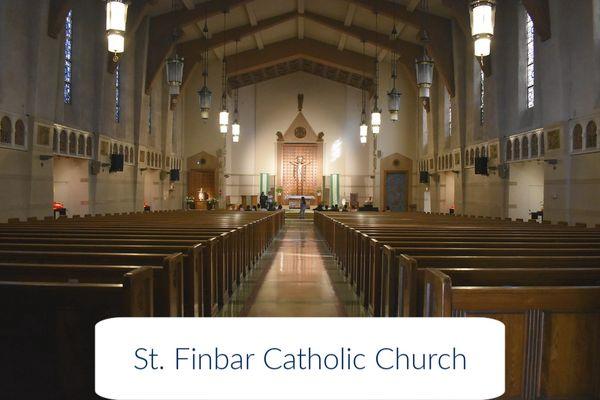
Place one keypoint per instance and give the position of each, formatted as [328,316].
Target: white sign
[300,358]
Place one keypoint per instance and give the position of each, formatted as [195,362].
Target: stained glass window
[482,97]
[530,62]
[118,94]
[68,58]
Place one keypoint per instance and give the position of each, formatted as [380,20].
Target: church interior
[296,158]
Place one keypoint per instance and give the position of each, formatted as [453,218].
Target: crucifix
[299,166]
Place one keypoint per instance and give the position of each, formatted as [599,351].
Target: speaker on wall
[116,163]
[424,177]
[174,175]
[481,166]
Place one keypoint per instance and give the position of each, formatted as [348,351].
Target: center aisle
[300,278]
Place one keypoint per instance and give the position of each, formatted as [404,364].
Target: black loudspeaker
[116,162]
[481,166]
[424,177]
[174,175]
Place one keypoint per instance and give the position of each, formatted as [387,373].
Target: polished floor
[296,277]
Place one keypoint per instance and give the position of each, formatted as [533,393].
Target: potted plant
[191,204]
[279,191]
[212,204]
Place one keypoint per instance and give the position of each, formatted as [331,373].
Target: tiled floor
[297,277]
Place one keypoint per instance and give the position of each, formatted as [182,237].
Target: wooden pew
[552,321]
[47,328]
[167,268]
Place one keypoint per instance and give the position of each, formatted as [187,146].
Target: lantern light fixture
[174,65]
[224,114]
[483,16]
[174,69]
[394,94]
[204,94]
[116,25]
[424,66]
[376,112]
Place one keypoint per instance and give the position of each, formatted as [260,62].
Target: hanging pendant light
[224,114]
[204,94]
[174,68]
[116,23]
[376,112]
[235,127]
[174,65]
[363,129]
[424,67]
[483,16]
[394,94]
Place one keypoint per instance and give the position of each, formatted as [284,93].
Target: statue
[279,136]
[299,166]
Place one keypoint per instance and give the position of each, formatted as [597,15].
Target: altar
[294,201]
[300,161]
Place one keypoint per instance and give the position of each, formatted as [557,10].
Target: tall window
[425,127]
[68,57]
[530,62]
[150,114]
[481,97]
[118,93]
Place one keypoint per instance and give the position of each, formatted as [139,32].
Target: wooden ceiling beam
[192,50]
[160,39]
[438,28]
[539,11]
[309,49]
[407,51]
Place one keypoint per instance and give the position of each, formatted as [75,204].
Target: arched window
[72,143]
[88,146]
[466,157]
[483,151]
[68,70]
[477,152]
[471,157]
[20,133]
[131,160]
[6,131]
[591,137]
[534,146]
[169,162]
[121,149]
[126,154]
[115,149]
[64,141]
[525,147]
[542,144]
[516,149]
[509,151]
[81,145]
[55,141]
[577,137]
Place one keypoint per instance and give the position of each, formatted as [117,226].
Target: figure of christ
[299,166]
